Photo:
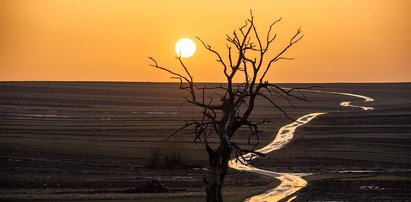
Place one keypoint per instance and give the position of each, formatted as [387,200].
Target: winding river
[290,182]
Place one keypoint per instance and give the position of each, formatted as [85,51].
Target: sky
[111,40]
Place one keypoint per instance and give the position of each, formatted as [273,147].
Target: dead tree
[249,58]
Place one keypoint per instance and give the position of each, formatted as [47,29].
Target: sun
[185,47]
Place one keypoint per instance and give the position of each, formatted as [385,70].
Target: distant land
[103,140]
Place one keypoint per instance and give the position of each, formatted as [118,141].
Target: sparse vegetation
[169,155]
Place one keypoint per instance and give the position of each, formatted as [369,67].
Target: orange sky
[110,40]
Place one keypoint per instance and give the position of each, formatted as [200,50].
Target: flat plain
[103,140]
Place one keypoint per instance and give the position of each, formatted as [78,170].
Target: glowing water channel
[290,182]
[347,104]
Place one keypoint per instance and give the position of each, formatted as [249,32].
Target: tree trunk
[218,171]
[213,187]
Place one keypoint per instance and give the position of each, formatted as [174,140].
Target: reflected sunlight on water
[290,182]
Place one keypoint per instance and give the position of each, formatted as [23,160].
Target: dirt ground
[94,141]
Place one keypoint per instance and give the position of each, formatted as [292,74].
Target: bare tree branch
[296,38]
[223,117]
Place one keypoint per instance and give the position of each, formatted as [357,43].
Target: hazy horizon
[200,82]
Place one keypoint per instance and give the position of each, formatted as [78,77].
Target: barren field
[101,140]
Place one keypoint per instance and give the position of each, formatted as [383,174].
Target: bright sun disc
[185,47]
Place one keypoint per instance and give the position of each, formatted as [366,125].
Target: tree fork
[222,117]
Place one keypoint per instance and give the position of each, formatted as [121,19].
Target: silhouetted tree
[248,57]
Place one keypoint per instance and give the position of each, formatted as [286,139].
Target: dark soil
[356,190]
[61,140]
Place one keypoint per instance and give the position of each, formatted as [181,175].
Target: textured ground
[62,140]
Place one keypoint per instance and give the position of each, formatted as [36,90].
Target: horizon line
[211,82]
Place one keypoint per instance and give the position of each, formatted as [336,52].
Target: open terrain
[102,140]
